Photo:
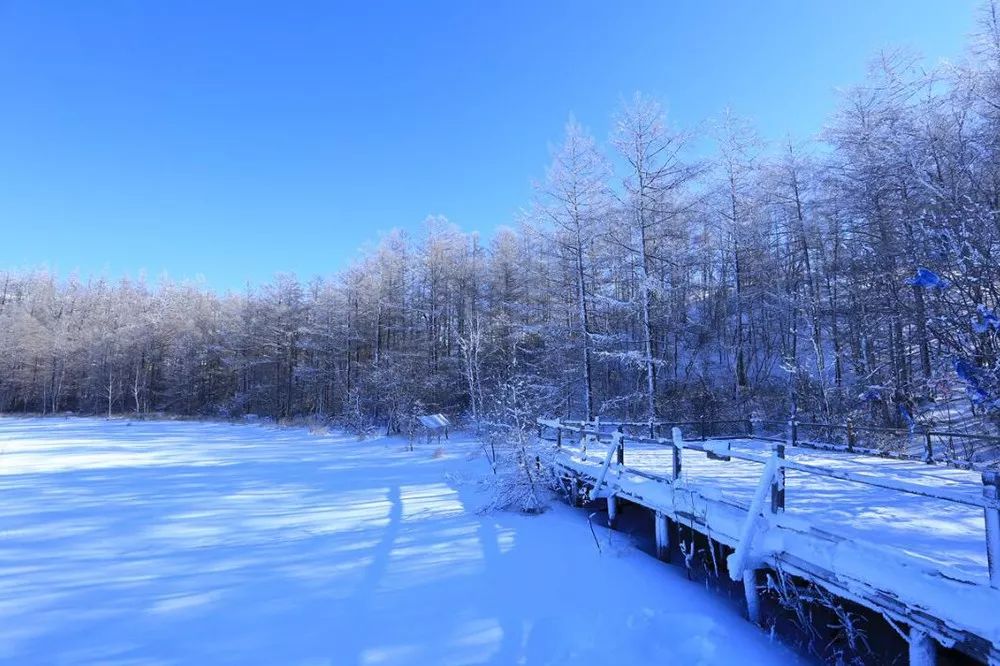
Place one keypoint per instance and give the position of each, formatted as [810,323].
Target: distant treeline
[641,281]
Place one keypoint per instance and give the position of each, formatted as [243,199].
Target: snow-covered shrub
[520,461]
[355,417]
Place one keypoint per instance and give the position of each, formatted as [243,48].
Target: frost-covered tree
[573,209]
[856,275]
[653,197]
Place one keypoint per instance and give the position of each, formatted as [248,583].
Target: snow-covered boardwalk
[193,543]
[918,559]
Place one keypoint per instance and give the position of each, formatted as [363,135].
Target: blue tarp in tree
[985,320]
[928,279]
[979,387]
[966,371]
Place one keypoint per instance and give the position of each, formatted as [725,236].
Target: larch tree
[572,207]
[652,196]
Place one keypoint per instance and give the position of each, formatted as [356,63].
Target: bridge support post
[661,528]
[991,493]
[923,650]
[752,594]
[612,510]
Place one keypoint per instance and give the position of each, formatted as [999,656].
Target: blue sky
[235,139]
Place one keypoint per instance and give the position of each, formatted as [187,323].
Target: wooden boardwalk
[905,539]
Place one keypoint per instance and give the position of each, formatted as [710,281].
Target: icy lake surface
[180,542]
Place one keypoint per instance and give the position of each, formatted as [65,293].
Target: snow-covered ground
[178,542]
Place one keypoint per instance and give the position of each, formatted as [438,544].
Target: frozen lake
[183,542]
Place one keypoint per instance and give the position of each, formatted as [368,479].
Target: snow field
[181,542]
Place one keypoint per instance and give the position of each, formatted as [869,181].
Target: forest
[661,273]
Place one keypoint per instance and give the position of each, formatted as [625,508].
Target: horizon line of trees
[849,276]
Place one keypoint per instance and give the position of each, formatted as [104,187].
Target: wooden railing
[617,435]
[957,449]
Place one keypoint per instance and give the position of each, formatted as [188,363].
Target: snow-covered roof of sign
[434,421]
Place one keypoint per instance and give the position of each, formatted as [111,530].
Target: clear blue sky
[236,139]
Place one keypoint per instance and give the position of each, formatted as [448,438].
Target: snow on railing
[958,449]
[773,478]
[738,560]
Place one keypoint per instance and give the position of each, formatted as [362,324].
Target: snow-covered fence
[702,429]
[963,450]
[958,449]
[991,494]
[772,482]
[989,502]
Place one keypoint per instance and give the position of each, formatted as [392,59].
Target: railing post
[991,493]
[793,432]
[928,446]
[778,484]
[621,446]
[678,444]
[559,436]
[749,425]
[850,436]
[702,428]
